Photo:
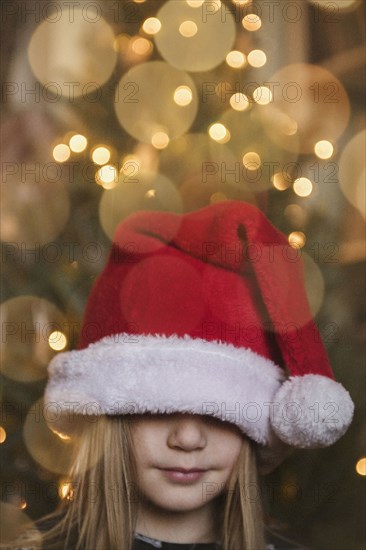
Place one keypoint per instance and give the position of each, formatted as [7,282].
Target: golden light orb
[183,95]
[239,102]
[195,39]
[101,155]
[219,132]
[160,140]
[302,187]
[297,239]
[107,176]
[279,182]
[78,143]
[252,160]
[151,25]
[257,58]
[361,466]
[236,59]
[75,48]
[324,149]
[262,95]
[252,22]
[188,29]
[141,46]
[2,434]
[57,340]
[61,152]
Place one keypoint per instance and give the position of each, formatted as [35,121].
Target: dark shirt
[142,542]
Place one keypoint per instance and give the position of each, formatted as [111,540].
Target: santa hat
[205,312]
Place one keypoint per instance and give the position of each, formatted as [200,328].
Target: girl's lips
[183,476]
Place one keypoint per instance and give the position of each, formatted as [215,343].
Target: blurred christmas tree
[112,107]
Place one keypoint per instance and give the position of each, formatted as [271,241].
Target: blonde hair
[104,459]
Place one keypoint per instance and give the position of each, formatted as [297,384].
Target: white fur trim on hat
[126,374]
[311,411]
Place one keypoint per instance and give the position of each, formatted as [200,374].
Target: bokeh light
[236,59]
[186,30]
[131,194]
[262,95]
[2,434]
[323,149]
[73,56]
[145,105]
[252,160]
[361,466]
[309,101]
[34,208]
[196,159]
[78,143]
[141,46]
[297,239]
[100,155]
[248,135]
[183,96]
[28,322]
[107,176]
[352,176]
[45,447]
[239,102]
[57,340]
[151,25]
[251,22]
[257,58]
[61,152]
[219,132]
[302,187]
[160,140]
[280,182]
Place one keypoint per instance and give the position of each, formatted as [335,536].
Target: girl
[198,363]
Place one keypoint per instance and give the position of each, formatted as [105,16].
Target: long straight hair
[101,508]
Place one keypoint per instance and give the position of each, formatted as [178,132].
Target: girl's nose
[187,433]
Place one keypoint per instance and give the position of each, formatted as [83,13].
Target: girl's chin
[177,500]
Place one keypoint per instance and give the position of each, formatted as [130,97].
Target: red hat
[205,312]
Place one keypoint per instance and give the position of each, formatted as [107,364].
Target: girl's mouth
[182,475]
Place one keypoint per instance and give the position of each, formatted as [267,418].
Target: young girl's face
[183,460]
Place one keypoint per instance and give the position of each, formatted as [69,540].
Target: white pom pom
[311,411]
